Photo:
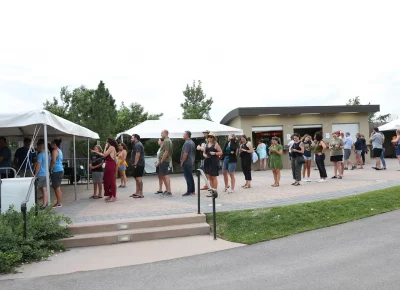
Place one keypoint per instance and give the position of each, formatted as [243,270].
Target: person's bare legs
[95,189]
[378,163]
[58,193]
[100,187]
[139,186]
[226,180]
[160,183]
[335,168]
[233,180]
[275,176]
[304,170]
[44,192]
[265,164]
[308,168]
[278,176]
[167,182]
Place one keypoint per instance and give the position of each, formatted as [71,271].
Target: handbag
[300,159]
[254,157]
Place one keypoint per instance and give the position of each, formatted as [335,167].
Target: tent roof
[24,124]
[394,125]
[153,128]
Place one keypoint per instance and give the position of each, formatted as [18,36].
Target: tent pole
[74,167]
[47,163]
[87,174]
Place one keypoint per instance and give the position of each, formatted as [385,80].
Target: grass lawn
[257,225]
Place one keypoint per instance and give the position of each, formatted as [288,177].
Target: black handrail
[214,192]
[23,204]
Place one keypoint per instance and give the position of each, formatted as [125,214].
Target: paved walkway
[261,195]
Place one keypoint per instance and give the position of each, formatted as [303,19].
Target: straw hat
[212,135]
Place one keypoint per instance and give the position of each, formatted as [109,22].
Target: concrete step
[136,235]
[136,223]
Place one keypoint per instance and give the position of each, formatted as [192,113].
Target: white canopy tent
[152,128]
[394,125]
[26,124]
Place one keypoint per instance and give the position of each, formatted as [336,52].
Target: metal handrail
[214,192]
[9,168]
[23,204]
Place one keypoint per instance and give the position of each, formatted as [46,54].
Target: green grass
[257,225]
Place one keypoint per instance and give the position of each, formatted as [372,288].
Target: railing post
[198,191]
[36,197]
[23,209]
[214,219]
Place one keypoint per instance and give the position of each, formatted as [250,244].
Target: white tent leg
[74,167]
[87,164]
[47,164]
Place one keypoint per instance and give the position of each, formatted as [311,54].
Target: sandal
[275,185]
[93,197]
[297,184]
[138,196]
[226,189]
[96,197]
[158,192]
[107,199]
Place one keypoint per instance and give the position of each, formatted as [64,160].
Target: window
[266,133]
[307,129]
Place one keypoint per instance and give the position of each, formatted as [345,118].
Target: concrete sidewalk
[119,255]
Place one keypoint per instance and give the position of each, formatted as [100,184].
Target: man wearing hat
[202,148]
[348,145]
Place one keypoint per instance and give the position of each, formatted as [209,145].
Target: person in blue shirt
[22,164]
[57,170]
[5,157]
[40,172]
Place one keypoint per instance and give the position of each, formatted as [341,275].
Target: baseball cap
[348,133]
[206,132]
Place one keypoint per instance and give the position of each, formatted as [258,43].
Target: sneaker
[304,180]
[57,205]
[187,194]
[308,180]
[231,191]
[322,181]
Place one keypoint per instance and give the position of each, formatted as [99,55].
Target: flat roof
[260,111]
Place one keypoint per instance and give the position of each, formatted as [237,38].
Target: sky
[246,53]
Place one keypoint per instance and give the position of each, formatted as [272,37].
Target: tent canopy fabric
[152,128]
[24,124]
[394,125]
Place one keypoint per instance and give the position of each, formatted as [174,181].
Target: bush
[43,234]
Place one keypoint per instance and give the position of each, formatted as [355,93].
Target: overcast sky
[247,53]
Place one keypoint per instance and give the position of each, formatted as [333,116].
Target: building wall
[288,121]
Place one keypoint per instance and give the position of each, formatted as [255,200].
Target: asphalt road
[361,255]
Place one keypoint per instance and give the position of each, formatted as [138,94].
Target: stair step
[136,223]
[136,235]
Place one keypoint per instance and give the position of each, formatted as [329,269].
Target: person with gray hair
[187,161]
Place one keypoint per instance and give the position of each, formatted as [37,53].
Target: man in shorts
[201,149]
[137,160]
[377,147]
[348,146]
[40,172]
[164,160]
[187,161]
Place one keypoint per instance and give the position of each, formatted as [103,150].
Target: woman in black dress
[246,151]
[211,161]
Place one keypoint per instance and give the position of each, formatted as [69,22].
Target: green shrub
[43,234]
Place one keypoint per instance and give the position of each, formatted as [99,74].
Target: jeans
[296,169]
[188,174]
[383,158]
[320,160]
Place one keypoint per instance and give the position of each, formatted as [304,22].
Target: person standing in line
[245,152]
[164,161]
[57,170]
[275,160]
[307,157]
[396,144]
[110,155]
[319,150]
[137,161]
[40,172]
[96,166]
[122,165]
[290,144]
[336,146]
[229,164]
[383,152]
[364,148]
[160,180]
[262,155]
[5,158]
[211,162]
[188,155]
[297,153]
[358,148]
[377,145]
[348,146]
[202,148]
[24,159]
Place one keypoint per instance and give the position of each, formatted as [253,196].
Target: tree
[196,105]
[132,115]
[372,116]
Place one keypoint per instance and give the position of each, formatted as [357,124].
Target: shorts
[347,153]
[397,151]
[230,167]
[337,158]
[163,168]
[25,174]
[97,177]
[376,152]
[122,167]
[41,182]
[56,178]
[138,171]
[307,158]
[358,152]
